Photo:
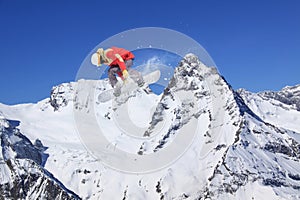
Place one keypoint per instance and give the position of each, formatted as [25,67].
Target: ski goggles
[100,57]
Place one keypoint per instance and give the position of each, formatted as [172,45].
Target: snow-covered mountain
[280,108]
[200,139]
[22,174]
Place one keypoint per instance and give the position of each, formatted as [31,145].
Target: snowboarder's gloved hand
[125,74]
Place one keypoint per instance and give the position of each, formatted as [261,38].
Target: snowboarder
[120,62]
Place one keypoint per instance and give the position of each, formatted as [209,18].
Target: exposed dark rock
[24,162]
[289,95]
[61,95]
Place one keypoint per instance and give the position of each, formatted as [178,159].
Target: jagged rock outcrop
[289,95]
[22,175]
[61,95]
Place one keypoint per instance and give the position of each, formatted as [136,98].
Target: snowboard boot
[147,89]
[140,83]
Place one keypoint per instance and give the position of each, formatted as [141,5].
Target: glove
[125,74]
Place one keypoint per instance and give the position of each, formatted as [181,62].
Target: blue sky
[255,44]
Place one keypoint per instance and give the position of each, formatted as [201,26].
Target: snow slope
[22,175]
[279,108]
[197,140]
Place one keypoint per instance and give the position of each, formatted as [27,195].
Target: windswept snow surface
[279,108]
[197,140]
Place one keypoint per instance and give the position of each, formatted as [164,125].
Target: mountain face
[278,108]
[200,139]
[289,95]
[22,173]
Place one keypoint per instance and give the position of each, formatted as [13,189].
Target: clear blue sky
[255,44]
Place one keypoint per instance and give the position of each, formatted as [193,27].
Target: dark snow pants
[115,69]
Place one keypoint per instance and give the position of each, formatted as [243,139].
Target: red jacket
[118,56]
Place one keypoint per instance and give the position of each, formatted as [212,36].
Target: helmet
[94,59]
[97,58]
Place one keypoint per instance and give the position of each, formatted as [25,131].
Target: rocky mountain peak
[21,167]
[61,95]
[289,95]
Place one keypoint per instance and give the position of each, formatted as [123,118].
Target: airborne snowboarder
[120,62]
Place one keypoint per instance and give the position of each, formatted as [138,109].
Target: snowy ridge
[289,95]
[278,108]
[22,175]
[235,145]
[262,153]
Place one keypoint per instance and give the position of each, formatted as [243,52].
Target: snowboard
[129,86]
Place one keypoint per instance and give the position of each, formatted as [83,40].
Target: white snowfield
[272,110]
[197,140]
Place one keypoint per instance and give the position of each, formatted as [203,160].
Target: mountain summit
[199,139]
